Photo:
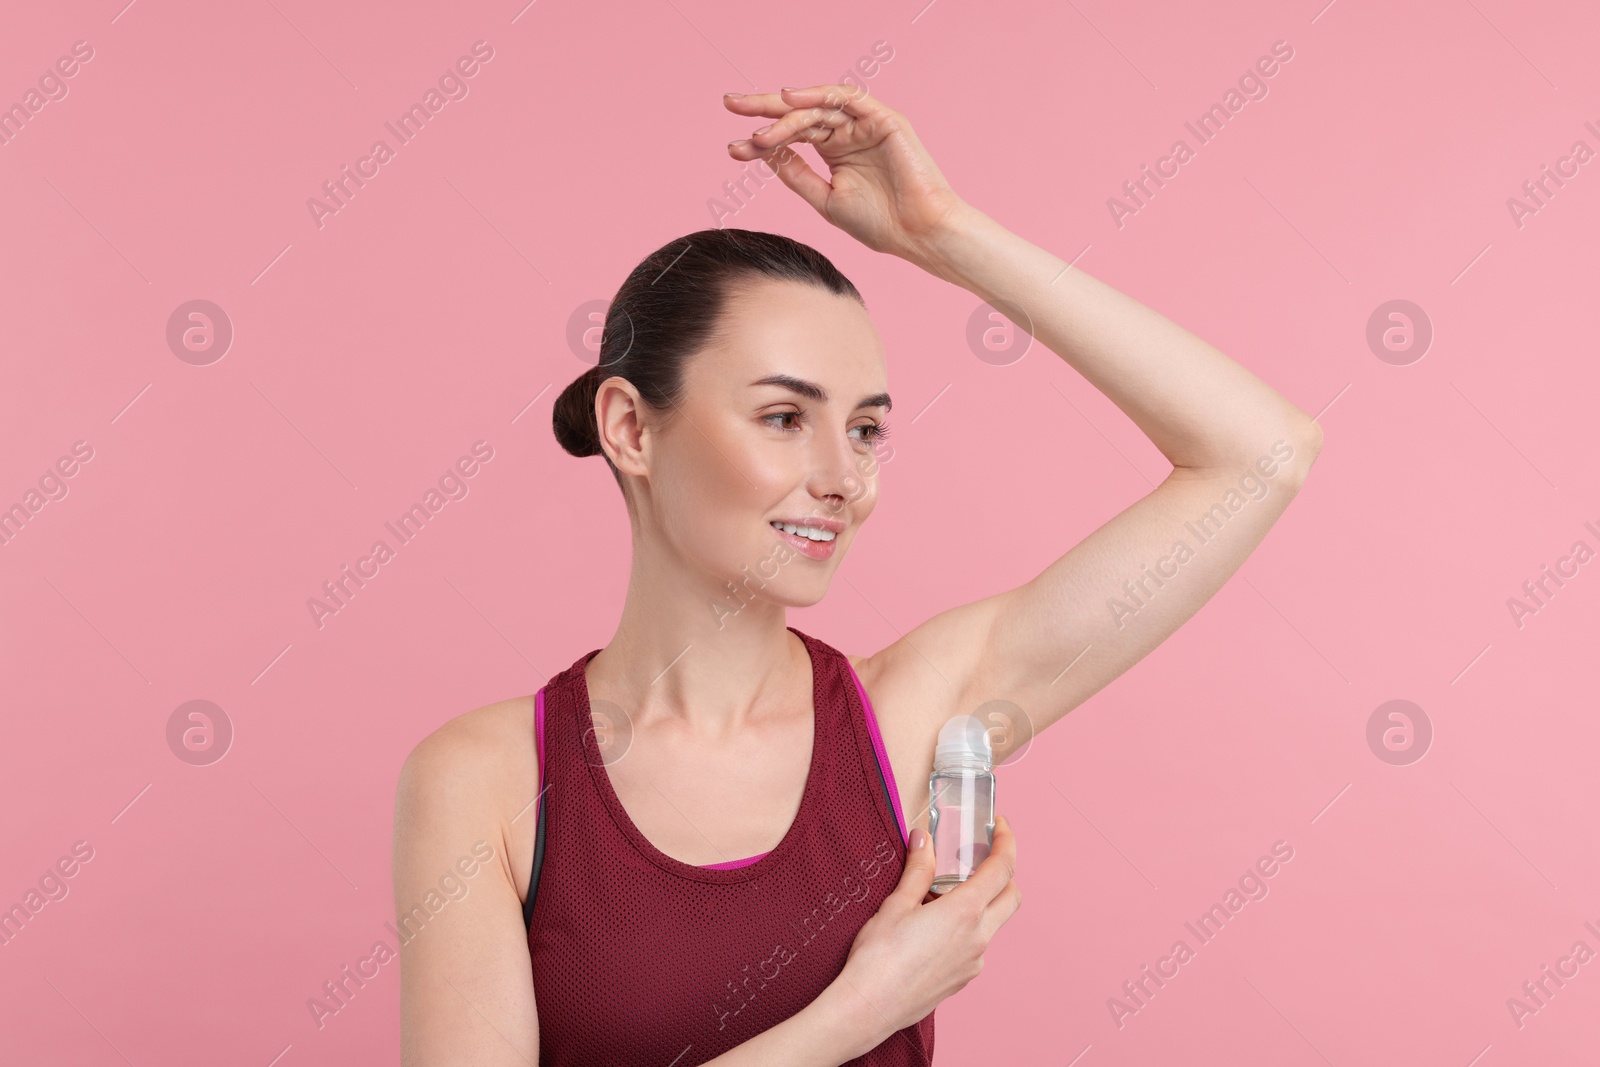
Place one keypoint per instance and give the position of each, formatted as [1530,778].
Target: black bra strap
[538,861]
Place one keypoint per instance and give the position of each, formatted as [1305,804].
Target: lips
[804,545]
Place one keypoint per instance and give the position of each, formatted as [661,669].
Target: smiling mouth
[811,542]
[811,533]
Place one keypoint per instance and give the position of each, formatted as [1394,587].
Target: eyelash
[875,430]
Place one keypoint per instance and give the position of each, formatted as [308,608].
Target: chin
[786,588]
[805,601]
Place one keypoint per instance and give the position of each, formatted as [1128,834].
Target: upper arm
[466,979]
[1051,643]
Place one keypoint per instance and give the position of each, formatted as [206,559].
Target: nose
[841,472]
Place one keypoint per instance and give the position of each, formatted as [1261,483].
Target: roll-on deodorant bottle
[960,801]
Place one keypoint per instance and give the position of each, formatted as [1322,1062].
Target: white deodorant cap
[963,737]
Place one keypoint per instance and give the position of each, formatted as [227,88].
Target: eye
[876,431]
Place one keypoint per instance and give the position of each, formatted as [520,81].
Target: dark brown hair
[668,309]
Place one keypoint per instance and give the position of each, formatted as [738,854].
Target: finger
[794,125]
[917,879]
[774,105]
[853,100]
[810,135]
[991,876]
[770,105]
[747,149]
[999,910]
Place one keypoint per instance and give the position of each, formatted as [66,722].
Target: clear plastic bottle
[960,801]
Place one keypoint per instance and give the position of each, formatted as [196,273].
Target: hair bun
[573,415]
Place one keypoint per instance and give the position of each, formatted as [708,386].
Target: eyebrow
[812,391]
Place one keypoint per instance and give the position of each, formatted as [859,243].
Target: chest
[706,801]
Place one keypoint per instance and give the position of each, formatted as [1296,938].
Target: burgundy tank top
[641,959]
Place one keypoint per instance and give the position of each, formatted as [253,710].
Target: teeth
[810,532]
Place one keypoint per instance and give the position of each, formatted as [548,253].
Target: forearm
[835,1028]
[1200,408]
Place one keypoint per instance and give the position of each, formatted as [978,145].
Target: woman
[751,884]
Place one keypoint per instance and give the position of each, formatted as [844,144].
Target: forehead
[782,327]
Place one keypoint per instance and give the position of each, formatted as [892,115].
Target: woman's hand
[911,955]
[885,190]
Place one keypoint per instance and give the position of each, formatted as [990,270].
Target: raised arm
[1239,453]
[1239,450]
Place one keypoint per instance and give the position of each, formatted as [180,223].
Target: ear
[619,412]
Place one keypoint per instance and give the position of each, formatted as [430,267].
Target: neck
[690,649]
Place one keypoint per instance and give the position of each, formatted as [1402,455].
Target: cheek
[712,507]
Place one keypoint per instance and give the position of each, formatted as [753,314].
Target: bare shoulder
[479,770]
[458,910]
[477,752]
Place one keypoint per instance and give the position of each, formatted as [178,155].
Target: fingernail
[763,129]
[917,838]
[736,144]
[790,89]
[734,95]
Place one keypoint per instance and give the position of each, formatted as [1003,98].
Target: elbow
[1306,443]
[1286,454]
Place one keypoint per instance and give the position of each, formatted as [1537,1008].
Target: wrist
[938,251]
[849,1019]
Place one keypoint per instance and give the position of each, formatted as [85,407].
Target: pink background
[432,312]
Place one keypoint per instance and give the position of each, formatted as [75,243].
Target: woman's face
[742,453]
